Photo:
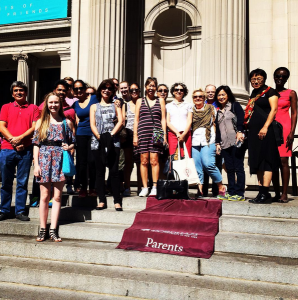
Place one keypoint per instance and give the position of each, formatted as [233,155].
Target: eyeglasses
[199,97]
[179,90]
[134,90]
[163,91]
[80,88]
[107,88]
[281,76]
[259,79]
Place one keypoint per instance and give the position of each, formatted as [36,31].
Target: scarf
[202,118]
[251,103]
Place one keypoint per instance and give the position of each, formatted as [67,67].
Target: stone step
[275,210]
[257,244]
[259,225]
[238,266]
[84,214]
[95,253]
[16,291]
[148,284]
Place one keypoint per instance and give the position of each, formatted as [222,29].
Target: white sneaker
[126,193]
[153,191]
[144,192]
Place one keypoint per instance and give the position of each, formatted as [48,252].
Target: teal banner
[19,11]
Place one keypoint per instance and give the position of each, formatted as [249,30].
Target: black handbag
[172,189]
[277,127]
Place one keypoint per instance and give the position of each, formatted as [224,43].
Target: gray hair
[18,84]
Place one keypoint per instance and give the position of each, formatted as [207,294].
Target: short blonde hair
[199,90]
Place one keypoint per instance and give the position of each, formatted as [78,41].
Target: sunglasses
[81,88]
[108,88]
[90,94]
[198,97]
[281,76]
[153,78]
[133,90]
[163,91]
[179,90]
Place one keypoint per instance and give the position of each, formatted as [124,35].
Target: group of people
[116,132]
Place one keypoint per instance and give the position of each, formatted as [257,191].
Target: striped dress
[145,127]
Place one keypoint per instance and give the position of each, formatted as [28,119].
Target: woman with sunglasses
[162,92]
[263,153]
[203,142]
[128,111]
[288,98]
[143,131]
[85,160]
[105,142]
[179,119]
[90,91]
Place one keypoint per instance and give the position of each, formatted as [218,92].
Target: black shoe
[22,217]
[261,199]
[118,208]
[3,216]
[101,207]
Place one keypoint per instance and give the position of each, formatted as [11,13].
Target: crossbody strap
[149,110]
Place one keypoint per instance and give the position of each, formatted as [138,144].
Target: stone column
[148,44]
[23,69]
[107,40]
[224,45]
[65,63]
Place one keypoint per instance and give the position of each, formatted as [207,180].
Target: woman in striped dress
[143,130]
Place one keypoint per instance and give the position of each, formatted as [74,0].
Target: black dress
[263,154]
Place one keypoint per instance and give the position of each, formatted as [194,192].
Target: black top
[263,154]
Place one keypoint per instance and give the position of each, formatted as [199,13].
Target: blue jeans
[9,160]
[204,157]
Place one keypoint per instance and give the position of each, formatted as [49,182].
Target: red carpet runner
[180,227]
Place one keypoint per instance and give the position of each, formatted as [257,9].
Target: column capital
[64,55]
[21,56]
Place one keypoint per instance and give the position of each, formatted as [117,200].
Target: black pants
[218,163]
[112,165]
[85,161]
[234,158]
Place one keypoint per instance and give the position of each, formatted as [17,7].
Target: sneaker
[236,198]
[153,191]
[69,189]
[144,192]
[50,203]
[3,216]
[22,217]
[223,195]
[126,193]
[34,201]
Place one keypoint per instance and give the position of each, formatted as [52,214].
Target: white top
[178,114]
[199,135]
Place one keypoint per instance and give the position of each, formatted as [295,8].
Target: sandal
[54,235]
[42,235]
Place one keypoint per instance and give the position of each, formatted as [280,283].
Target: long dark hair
[226,88]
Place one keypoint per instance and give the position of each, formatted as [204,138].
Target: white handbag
[186,167]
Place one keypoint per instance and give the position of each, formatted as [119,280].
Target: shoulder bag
[186,167]
[172,189]
[68,167]
[158,134]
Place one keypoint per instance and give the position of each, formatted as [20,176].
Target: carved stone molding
[21,56]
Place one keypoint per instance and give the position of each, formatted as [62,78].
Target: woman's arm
[92,121]
[163,120]
[120,120]
[136,122]
[37,171]
[273,104]
[239,112]
[123,113]
[187,128]
[293,100]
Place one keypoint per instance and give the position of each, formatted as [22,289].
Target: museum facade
[194,41]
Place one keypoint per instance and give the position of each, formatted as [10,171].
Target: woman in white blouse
[179,119]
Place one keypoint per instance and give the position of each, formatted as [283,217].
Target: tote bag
[186,167]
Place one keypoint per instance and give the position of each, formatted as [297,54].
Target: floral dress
[50,157]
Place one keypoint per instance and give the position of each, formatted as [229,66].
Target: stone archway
[173,53]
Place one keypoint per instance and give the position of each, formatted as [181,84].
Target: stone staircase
[256,257]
